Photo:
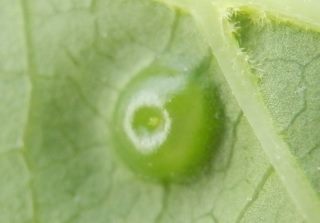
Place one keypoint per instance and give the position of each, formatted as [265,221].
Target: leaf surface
[63,65]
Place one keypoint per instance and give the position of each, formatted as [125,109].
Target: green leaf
[64,64]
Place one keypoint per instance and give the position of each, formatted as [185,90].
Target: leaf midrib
[30,72]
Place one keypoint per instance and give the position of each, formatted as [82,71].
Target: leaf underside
[63,65]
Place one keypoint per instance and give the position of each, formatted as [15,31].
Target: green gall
[166,125]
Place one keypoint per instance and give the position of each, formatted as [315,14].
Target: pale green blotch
[166,125]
